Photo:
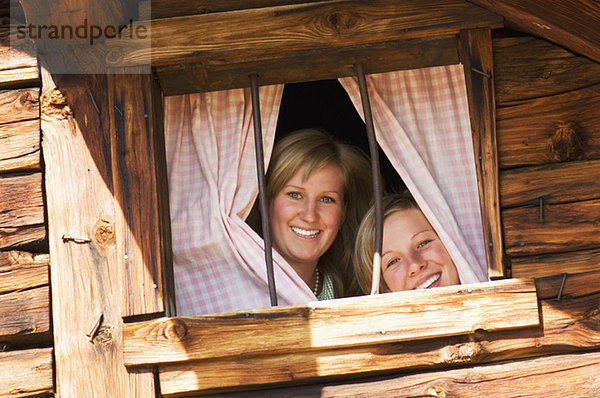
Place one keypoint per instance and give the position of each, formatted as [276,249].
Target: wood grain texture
[554,183]
[401,316]
[551,264]
[140,189]
[22,270]
[17,105]
[21,203]
[308,65]
[15,53]
[298,27]
[25,315]
[574,24]
[569,285]
[529,68]
[87,278]
[560,228]
[20,147]
[476,55]
[569,325]
[26,373]
[21,77]
[525,130]
[569,375]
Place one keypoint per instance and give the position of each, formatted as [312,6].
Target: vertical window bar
[377,189]
[260,169]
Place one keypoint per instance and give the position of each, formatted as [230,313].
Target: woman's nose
[416,264]
[308,210]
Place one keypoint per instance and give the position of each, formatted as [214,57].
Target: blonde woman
[318,189]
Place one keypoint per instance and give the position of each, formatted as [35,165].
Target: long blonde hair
[314,149]
[365,239]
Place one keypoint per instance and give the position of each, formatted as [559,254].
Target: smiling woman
[318,190]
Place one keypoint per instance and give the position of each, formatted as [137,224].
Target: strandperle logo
[84,31]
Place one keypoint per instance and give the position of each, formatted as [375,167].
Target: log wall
[548,126]
[26,353]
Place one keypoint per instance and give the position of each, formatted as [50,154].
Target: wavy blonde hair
[315,149]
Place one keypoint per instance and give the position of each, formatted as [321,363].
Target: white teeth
[305,232]
[429,282]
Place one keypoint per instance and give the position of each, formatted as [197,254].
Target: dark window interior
[325,104]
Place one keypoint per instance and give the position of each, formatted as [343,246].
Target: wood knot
[104,233]
[566,143]
[55,104]
[437,391]
[104,336]
[341,21]
[175,329]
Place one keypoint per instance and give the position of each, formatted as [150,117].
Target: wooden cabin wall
[548,129]
[25,326]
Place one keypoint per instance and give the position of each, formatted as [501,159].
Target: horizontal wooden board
[525,130]
[24,314]
[568,285]
[20,146]
[21,77]
[14,237]
[554,183]
[15,54]
[26,373]
[551,264]
[22,202]
[308,65]
[527,68]
[559,228]
[22,270]
[20,104]
[568,325]
[393,317]
[296,27]
[569,375]
[177,8]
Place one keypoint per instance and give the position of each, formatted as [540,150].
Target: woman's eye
[423,243]
[294,195]
[327,199]
[391,263]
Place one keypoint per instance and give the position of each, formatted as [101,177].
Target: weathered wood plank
[20,146]
[14,53]
[570,375]
[140,189]
[298,27]
[476,55]
[551,264]
[22,203]
[308,65]
[17,105]
[528,68]
[568,325]
[22,270]
[177,8]
[554,183]
[24,315]
[87,278]
[568,285]
[573,24]
[26,373]
[21,236]
[558,228]
[21,77]
[401,316]
[525,131]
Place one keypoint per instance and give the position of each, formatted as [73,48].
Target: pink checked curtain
[218,259]
[422,123]
[421,120]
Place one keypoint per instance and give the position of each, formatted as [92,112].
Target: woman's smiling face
[305,216]
[413,255]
